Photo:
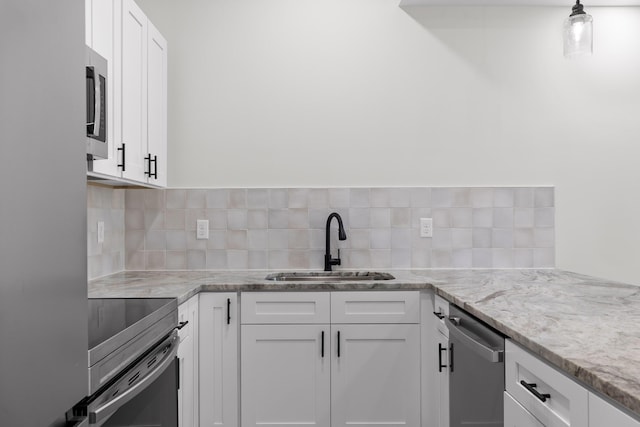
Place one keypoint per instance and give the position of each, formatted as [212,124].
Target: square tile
[217,199]
[482,237]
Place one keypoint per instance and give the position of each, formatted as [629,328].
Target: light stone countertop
[589,328]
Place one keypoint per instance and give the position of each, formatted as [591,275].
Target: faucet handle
[338,261]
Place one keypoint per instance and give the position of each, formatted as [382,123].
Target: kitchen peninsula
[583,326]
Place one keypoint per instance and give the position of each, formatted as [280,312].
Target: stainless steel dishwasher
[476,366]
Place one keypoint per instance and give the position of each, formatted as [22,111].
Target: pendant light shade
[578,33]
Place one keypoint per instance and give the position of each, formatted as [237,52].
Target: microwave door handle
[98,103]
[474,342]
[99,416]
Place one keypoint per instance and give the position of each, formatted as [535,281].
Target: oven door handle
[474,342]
[101,414]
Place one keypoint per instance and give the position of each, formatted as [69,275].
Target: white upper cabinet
[137,91]
[156,107]
[100,36]
[134,90]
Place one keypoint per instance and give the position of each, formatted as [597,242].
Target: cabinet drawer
[567,404]
[516,416]
[285,307]
[375,307]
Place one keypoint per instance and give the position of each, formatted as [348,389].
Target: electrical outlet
[426,227]
[100,231]
[202,229]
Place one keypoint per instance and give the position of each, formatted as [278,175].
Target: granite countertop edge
[482,293]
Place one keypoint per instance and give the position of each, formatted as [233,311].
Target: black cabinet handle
[322,345]
[338,343]
[124,152]
[148,160]
[440,365]
[450,357]
[228,311]
[531,387]
[439,315]
[155,167]
[182,324]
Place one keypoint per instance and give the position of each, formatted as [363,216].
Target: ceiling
[566,3]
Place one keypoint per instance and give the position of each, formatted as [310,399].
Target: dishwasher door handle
[474,342]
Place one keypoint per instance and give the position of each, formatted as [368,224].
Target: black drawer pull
[124,152]
[338,343]
[532,389]
[440,365]
[182,325]
[322,346]
[228,311]
[451,357]
[439,315]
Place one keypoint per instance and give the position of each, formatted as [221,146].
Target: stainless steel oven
[133,368]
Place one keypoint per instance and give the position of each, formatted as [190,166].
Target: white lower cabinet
[188,359]
[218,358]
[515,415]
[603,414]
[550,396]
[330,375]
[285,375]
[441,349]
[435,361]
[538,395]
[375,375]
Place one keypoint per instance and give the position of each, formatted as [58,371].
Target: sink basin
[329,276]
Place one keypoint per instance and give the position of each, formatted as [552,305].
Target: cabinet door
[441,350]
[188,356]
[285,378]
[375,375]
[157,106]
[218,359]
[602,414]
[100,37]
[134,89]
[435,364]
[516,416]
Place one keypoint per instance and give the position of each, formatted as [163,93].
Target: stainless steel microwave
[96,71]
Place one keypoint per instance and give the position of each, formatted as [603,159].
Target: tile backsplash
[107,205]
[280,228]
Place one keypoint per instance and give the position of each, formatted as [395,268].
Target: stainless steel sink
[329,276]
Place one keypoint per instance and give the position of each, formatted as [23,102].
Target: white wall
[277,93]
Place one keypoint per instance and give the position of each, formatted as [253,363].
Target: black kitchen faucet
[328,261]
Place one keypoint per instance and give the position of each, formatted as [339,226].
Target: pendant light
[578,33]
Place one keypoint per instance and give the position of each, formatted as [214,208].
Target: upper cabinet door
[157,106]
[134,90]
[100,36]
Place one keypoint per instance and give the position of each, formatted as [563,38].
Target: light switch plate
[426,227]
[202,229]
